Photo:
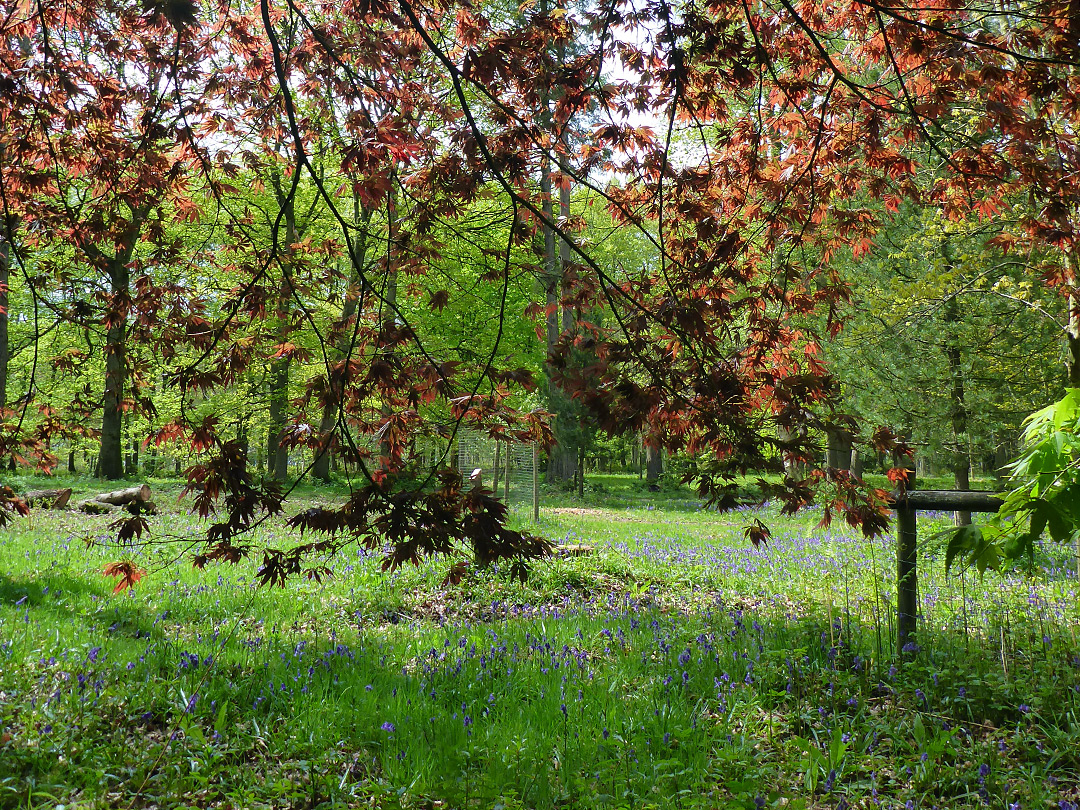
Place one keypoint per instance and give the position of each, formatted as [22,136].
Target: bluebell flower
[388,727]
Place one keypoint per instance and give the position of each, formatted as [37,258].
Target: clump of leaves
[1045,497]
[411,523]
[127,573]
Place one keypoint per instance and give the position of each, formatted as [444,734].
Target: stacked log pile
[137,500]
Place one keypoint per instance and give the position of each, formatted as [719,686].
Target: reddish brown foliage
[807,123]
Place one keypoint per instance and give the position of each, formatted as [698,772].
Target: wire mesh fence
[508,468]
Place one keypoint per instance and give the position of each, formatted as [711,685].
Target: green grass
[675,667]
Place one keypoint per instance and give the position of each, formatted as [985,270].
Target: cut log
[48,498]
[97,508]
[574,550]
[119,497]
[142,508]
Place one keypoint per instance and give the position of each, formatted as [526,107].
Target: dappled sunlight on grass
[676,665]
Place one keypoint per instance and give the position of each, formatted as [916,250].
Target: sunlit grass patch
[674,666]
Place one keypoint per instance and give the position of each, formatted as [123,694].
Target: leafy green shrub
[1045,495]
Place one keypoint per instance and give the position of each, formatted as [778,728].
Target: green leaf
[1061,527]
[221,719]
[1040,514]
[1067,500]
[987,555]
[963,541]
[1067,409]
[1018,545]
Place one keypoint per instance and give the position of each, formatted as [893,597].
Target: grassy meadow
[676,667]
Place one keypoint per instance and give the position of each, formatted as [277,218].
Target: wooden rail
[907,506]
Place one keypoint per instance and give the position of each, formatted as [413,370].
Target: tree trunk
[562,457]
[111,456]
[5,268]
[131,463]
[278,456]
[1073,339]
[856,463]
[7,229]
[792,469]
[839,449]
[654,466]
[350,308]
[110,463]
[961,459]
[506,476]
[242,440]
[1073,329]
[390,292]
[581,473]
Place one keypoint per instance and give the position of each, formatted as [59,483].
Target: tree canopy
[353,207]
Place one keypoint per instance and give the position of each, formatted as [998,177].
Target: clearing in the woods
[674,666]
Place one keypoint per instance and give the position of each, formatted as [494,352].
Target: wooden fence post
[907,505]
[907,577]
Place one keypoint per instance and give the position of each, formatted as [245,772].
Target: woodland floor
[676,666]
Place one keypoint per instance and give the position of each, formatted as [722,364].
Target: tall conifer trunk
[563,457]
[654,465]
[1072,339]
[111,457]
[1072,331]
[958,413]
[277,456]
[390,289]
[350,309]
